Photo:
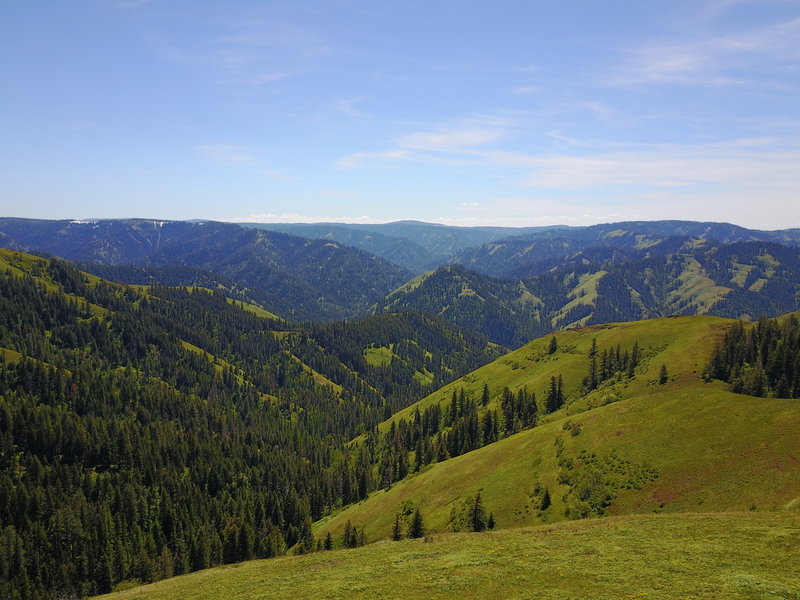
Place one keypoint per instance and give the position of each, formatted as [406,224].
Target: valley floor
[667,556]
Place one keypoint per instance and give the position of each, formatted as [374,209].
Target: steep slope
[601,285]
[295,277]
[309,279]
[397,250]
[533,254]
[147,430]
[414,245]
[507,312]
[632,445]
[733,556]
[445,241]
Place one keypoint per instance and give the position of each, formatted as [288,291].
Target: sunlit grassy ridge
[712,450]
[682,343]
[686,445]
[732,555]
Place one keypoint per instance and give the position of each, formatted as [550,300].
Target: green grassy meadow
[710,449]
[682,343]
[731,555]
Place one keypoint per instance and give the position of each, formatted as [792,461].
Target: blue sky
[472,112]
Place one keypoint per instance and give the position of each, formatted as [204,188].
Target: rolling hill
[148,431]
[736,556]
[505,311]
[632,445]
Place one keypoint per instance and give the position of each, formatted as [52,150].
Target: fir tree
[477,514]
[397,534]
[416,529]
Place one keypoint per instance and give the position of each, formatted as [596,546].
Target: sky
[470,112]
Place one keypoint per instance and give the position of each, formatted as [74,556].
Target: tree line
[761,359]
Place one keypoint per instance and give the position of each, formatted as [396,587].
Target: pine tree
[553,346]
[554,395]
[545,504]
[477,514]
[416,529]
[397,534]
[306,543]
[349,539]
[663,376]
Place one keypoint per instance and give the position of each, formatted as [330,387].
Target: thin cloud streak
[716,60]
[228,153]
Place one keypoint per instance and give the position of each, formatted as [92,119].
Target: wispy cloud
[445,147]
[247,52]
[765,162]
[361,159]
[131,3]
[228,153]
[349,107]
[740,163]
[449,141]
[714,60]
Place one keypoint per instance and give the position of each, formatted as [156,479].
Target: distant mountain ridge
[296,277]
[515,284]
[415,245]
[677,276]
[532,254]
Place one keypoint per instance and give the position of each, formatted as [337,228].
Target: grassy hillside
[682,343]
[631,446]
[734,555]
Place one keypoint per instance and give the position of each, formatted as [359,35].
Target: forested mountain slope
[295,277]
[533,254]
[415,245]
[150,431]
[600,285]
[505,311]
[400,251]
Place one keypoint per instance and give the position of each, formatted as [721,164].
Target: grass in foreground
[730,555]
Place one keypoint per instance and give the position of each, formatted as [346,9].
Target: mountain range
[509,284]
[176,396]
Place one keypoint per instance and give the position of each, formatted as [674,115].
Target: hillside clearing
[732,555]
